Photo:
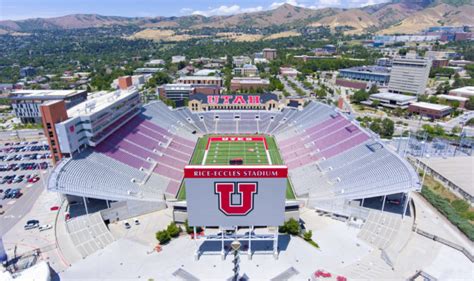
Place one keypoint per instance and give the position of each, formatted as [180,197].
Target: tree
[373,90]
[173,230]
[388,128]
[470,103]
[163,237]
[308,235]
[359,96]
[159,78]
[456,130]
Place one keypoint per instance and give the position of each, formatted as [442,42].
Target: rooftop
[457,170]
[448,97]
[370,69]
[43,94]
[200,77]
[432,106]
[392,96]
[250,80]
[464,91]
[99,101]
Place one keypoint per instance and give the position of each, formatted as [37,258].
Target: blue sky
[21,9]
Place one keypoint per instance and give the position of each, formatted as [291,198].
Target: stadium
[333,163]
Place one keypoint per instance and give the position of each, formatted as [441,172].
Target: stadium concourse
[331,159]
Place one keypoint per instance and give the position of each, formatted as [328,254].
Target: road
[18,208]
[21,135]
[288,88]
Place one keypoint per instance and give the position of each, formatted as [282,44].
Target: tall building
[53,112]
[26,103]
[88,123]
[269,54]
[409,75]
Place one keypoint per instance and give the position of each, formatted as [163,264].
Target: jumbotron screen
[231,195]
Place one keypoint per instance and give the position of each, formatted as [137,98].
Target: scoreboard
[229,196]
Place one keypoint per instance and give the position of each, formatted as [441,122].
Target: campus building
[247,70]
[430,110]
[465,92]
[90,122]
[178,92]
[26,103]
[375,74]
[199,80]
[392,100]
[288,71]
[201,102]
[269,54]
[409,75]
[248,83]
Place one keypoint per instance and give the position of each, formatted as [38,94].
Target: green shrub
[443,206]
[307,235]
[173,230]
[460,205]
[189,229]
[291,226]
[163,237]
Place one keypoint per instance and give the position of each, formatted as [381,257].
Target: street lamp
[235,245]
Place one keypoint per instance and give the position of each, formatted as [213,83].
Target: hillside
[284,15]
[357,19]
[396,16]
[442,14]
[75,21]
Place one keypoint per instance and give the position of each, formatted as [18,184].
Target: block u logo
[236,198]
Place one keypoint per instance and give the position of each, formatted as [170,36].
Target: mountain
[283,15]
[396,16]
[442,14]
[357,19]
[76,21]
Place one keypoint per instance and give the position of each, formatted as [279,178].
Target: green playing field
[252,153]
[222,152]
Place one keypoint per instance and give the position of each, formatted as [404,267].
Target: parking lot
[23,170]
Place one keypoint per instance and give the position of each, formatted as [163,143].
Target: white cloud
[275,5]
[363,3]
[226,10]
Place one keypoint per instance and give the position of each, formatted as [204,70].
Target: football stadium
[139,156]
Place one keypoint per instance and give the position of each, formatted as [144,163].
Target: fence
[445,242]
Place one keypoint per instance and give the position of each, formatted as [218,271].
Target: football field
[252,150]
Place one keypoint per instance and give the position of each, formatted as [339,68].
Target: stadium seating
[330,157]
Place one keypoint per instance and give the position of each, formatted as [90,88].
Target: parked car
[45,227]
[31,224]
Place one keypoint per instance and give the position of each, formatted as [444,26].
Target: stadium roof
[43,94]
[99,101]
[458,170]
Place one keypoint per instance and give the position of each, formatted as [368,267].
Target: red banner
[236,172]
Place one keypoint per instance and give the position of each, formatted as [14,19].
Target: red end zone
[236,139]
